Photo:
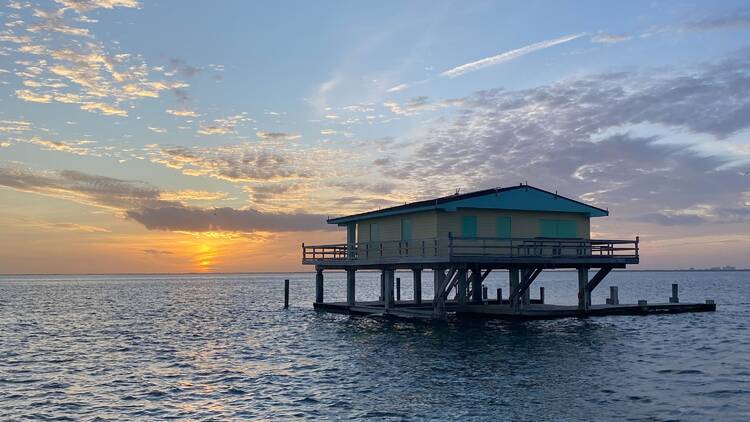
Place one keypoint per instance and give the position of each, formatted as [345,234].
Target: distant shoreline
[312,272]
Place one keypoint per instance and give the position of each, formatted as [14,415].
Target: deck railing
[452,246]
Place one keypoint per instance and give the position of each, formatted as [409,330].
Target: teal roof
[517,198]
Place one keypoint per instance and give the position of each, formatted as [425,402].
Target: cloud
[609,38]
[277,136]
[237,163]
[82,6]
[419,104]
[60,62]
[145,204]
[193,195]
[192,219]
[737,19]
[506,56]
[156,252]
[225,125]
[182,113]
[157,129]
[602,137]
[397,88]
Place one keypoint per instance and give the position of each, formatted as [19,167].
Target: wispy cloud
[506,56]
[609,38]
[277,136]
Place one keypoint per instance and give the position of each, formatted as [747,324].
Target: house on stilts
[462,238]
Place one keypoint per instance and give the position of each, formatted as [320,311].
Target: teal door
[469,226]
[405,229]
[502,227]
[374,232]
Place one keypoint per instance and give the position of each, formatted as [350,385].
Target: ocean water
[221,347]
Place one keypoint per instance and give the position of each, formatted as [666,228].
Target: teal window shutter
[502,226]
[557,228]
[405,229]
[566,228]
[547,228]
[374,232]
[469,226]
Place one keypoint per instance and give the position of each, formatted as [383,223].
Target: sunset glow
[142,137]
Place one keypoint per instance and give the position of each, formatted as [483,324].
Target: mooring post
[675,298]
[499,295]
[286,294]
[319,285]
[350,286]
[541,295]
[398,289]
[484,292]
[388,289]
[417,275]
[584,296]
[614,299]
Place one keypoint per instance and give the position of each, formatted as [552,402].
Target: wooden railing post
[637,240]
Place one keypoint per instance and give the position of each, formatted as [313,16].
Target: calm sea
[221,347]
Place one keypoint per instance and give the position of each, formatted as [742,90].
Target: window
[405,229]
[469,226]
[557,228]
[502,227]
[374,232]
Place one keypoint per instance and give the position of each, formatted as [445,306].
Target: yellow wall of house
[431,224]
[523,223]
[423,226]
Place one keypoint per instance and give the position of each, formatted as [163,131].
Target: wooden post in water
[614,298]
[350,286]
[319,286]
[541,295]
[514,278]
[675,298]
[584,296]
[484,292]
[499,295]
[382,285]
[417,273]
[398,289]
[286,294]
[388,289]
[463,287]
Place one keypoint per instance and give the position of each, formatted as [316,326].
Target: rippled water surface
[221,347]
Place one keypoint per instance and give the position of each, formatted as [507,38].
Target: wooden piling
[319,286]
[350,286]
[674,298]
[499,295]
[417,276]
[541,295]
[286,294]
[398,289]
[614,298]
[484,292]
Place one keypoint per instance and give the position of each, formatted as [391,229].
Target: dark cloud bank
[141,202]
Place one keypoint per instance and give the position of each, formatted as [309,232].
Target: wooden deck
[407,310]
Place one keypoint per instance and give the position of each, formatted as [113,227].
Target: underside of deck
[408,310]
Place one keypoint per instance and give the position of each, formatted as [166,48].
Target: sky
[145,136]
